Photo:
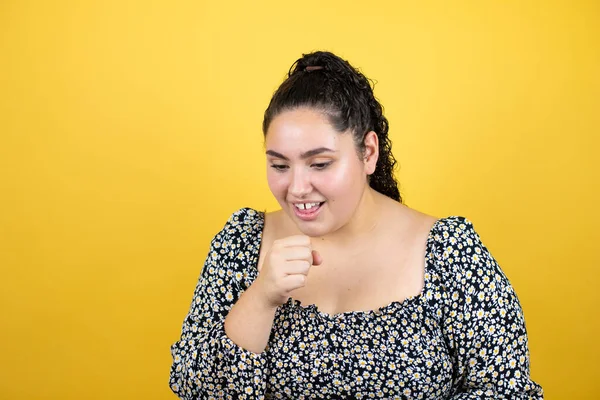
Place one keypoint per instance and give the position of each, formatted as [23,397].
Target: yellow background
[130,130]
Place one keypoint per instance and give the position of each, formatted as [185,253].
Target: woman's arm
[206,362]
[484,326]
[250,321]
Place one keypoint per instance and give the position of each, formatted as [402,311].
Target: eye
[279,167]
[321,165]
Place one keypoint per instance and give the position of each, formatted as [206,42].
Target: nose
[300,185]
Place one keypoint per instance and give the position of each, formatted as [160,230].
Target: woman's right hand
[286,268]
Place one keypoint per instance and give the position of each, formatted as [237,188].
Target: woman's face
[314,171]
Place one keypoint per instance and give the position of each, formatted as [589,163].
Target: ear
[371,154]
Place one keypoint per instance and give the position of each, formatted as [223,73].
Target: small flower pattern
[462,338]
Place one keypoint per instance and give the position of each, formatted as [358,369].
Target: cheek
[277,183]
[341,181]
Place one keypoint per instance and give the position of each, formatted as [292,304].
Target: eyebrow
[305,155]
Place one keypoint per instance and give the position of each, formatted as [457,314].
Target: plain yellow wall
[130,130]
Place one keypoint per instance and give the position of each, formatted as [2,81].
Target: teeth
[306,206]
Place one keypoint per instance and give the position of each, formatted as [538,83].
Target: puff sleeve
[206,363]
[483,325]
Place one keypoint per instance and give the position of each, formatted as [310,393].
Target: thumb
[317,259]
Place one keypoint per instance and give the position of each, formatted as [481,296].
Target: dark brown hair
[325,82]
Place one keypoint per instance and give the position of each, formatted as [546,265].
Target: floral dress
[463,337]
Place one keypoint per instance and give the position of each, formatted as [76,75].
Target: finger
[297,267]
[292,282]
[296,240]
[317,259]
[297,253]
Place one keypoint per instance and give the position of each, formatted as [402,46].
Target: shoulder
[457,249]
[234,249]
[242,228]
[245,220]
[245,216]
[453,232]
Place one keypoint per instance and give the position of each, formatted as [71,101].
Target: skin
[363,251]
[356,227]
[337,177]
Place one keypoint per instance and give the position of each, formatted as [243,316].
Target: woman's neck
[363,223]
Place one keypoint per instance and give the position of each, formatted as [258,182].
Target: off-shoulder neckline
[312,310]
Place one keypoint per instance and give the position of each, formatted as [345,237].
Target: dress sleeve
[484,324]
[206,363]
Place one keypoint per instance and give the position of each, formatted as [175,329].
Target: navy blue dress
[463,337]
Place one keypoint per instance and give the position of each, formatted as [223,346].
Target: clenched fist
[286,268]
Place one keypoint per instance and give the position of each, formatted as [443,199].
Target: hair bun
[313,67]
[319,60]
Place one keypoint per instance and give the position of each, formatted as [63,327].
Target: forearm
[206,364]
[250,321]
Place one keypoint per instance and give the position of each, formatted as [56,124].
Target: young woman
[346,293]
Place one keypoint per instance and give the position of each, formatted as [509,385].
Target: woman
[345,292]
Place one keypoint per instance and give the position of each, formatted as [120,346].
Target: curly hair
[325,82]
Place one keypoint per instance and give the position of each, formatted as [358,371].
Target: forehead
[302,129]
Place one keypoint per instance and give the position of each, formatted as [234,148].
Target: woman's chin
[313,228]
